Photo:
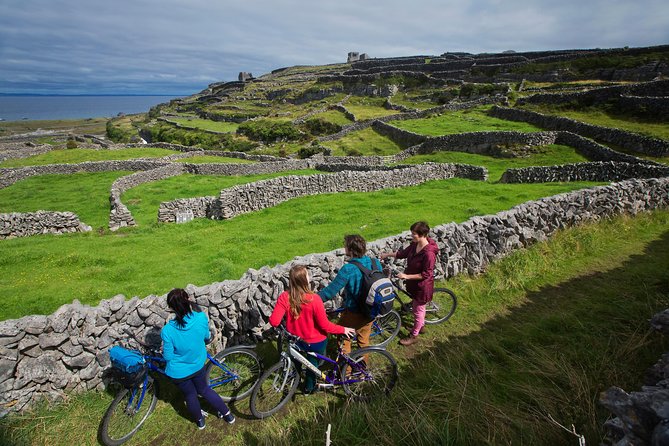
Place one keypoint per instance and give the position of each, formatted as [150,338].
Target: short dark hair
[421,228]
[355,245]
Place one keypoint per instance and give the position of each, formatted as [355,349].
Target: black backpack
[377,292]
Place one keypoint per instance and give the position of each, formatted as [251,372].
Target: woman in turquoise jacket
[184,350]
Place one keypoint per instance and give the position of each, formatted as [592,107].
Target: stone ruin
[354,56]
[244,76]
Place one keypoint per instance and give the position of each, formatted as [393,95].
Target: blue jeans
[316,347]
[197,384]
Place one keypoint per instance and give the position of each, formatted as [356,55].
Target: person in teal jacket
[184,350]
[349,278]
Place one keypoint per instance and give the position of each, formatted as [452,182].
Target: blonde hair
[299,287]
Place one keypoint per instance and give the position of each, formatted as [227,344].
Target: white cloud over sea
[179,47]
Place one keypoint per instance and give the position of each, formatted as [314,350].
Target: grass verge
[541,333]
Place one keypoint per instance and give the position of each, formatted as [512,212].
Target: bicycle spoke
[237,374]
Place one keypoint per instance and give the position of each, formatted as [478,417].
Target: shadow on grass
[498,385]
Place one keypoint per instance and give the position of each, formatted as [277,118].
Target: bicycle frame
[332,378]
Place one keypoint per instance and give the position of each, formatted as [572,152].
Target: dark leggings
[317,347]
[197,384]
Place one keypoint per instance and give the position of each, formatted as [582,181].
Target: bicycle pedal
[324,386]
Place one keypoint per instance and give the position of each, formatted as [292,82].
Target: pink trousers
[418,317]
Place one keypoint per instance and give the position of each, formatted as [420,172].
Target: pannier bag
[377,291]
[126,361]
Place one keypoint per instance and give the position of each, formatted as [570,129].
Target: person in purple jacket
[185,352]
[421,256]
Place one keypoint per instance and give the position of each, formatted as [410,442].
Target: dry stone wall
[44,356]
[269,193]
[640,417]
[627,140]
[119,214]
[11,176]
[15,150]
[596,171]
[41,222]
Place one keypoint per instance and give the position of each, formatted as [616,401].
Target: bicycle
[232,373]
[364,374]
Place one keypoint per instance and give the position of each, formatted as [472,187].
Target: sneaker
[409,341]
[200,423]
[228,417]
[422,330]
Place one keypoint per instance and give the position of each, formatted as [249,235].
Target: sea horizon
[40,107]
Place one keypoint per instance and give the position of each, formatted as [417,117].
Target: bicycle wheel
[275,388]
[126,413]
[370,373]
[442,306]
[385,328]
[239,372]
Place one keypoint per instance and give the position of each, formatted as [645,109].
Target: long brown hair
[299,287]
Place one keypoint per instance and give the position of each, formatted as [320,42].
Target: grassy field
[600,117]
[85,194]
[40,273]
[206,124]
[363,142]
[334,116]
[472,120]
[367,108]
[541,334]
[73,156]
[550,155]
[94,126]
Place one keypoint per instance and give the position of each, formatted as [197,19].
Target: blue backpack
[377,292]
[126,361]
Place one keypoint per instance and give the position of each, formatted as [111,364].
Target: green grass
[85,194]
[40,273]
[550,155]
[206,124]
[335,117]
[410,101]
[472,120]
[542,333]
[203,159]
[368,108]
[363,142]
[599,117]
[73,156]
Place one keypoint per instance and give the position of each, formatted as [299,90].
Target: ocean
[18,108]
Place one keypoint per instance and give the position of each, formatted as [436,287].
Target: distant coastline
[38,107]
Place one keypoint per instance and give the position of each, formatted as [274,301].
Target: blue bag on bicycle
[377,291]
[127,361]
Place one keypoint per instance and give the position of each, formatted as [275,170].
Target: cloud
[177,47]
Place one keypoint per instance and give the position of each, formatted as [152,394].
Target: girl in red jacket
[421,256]
[306,318]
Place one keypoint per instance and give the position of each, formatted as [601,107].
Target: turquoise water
[17,108]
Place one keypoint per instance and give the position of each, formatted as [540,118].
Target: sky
[178,47]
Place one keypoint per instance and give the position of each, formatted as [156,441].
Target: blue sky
[178,47]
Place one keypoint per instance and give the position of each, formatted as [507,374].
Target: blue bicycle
[384,328]
[232,373]
[364,374]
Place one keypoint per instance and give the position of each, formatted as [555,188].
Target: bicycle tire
[385,329]
[378,375]
[122,419]
[442,306]
[276,387]
[244,368]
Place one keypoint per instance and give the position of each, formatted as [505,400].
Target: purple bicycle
[364,374]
